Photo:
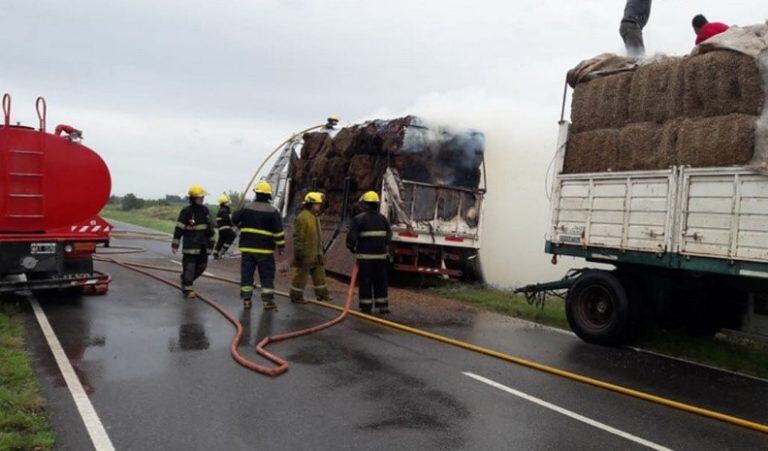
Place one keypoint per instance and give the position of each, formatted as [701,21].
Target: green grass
[745,357]
[158,217]
[23,422]
[507,303]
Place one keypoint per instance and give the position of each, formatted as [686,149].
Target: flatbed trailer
[688,245]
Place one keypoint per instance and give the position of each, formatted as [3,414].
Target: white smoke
[519,146]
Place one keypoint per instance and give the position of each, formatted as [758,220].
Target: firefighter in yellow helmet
[368,238]
[194,232]
[308,251]
[261,234]
[333,121]
[224,227]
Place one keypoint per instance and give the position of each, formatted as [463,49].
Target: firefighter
[194,231]
[308,251]
[331,123]
[224,227]
[368,238]
[261,234]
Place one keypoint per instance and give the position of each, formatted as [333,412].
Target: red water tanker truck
[51,190]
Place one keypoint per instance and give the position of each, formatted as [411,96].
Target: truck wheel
[598,310]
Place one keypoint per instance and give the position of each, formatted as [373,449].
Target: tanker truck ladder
[25,171]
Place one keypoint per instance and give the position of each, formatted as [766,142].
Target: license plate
[42,248]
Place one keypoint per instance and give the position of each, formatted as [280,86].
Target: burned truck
[430,178]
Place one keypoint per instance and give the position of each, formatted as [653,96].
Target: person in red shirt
[705,29]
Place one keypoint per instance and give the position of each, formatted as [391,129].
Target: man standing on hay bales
[636,14]
[705,29]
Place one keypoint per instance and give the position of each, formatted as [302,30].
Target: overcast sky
[178,92]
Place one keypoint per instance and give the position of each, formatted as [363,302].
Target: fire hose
[282,364]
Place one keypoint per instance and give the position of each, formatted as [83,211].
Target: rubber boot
[270,305]
[190,294]
[247,304]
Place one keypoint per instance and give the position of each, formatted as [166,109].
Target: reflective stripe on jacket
[193,230]
[369,236]
[261,228]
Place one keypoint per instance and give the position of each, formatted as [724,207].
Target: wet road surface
[158,372]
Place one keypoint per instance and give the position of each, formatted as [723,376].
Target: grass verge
[24,424]
[744,357]
[162,218]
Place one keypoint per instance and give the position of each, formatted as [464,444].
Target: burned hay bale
[366,171]
[656,92]
[592,151]
[315,143]
[601,103]
[722,82]
[716,141]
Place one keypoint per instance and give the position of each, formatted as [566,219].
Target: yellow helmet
[370,196]
[334,117]
[223,199]
[314,198]
[196,190]
[263,187]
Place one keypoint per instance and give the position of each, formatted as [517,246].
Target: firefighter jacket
[224,218]
[369,235]
[307,241]
[261,228]
[194,230]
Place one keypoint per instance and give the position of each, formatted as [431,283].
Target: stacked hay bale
[698,111]
[360,154]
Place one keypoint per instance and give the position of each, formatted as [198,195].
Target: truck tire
[598,309]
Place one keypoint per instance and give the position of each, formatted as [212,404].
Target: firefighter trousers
[373,284]
[193,266]
[265,265]
[300,276]
[226,238]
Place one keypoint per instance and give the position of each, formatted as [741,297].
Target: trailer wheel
[598,310]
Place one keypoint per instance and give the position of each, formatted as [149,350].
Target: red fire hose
[282,364]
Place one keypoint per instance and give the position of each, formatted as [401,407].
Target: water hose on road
[282,364]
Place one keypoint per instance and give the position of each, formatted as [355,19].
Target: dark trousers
[193,266]
[265,264]
[373,283]
[226,237]
[632,33]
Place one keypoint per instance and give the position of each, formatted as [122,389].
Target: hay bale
[601,103]
[592,151]
[639,147]
[720,83]
[314,144]
[366,172]
[656,92]
[716,141]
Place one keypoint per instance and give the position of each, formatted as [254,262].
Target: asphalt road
[158,372]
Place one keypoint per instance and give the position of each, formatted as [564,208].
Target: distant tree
[174,199]
[163,202]
[234,197]
[113,199]
[131,202]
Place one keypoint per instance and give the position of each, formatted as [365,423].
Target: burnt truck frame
[436,229]
[688,247]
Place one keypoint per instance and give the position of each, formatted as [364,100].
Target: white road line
[567,413]
[91,419]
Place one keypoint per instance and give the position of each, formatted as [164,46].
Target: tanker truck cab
[52,190]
